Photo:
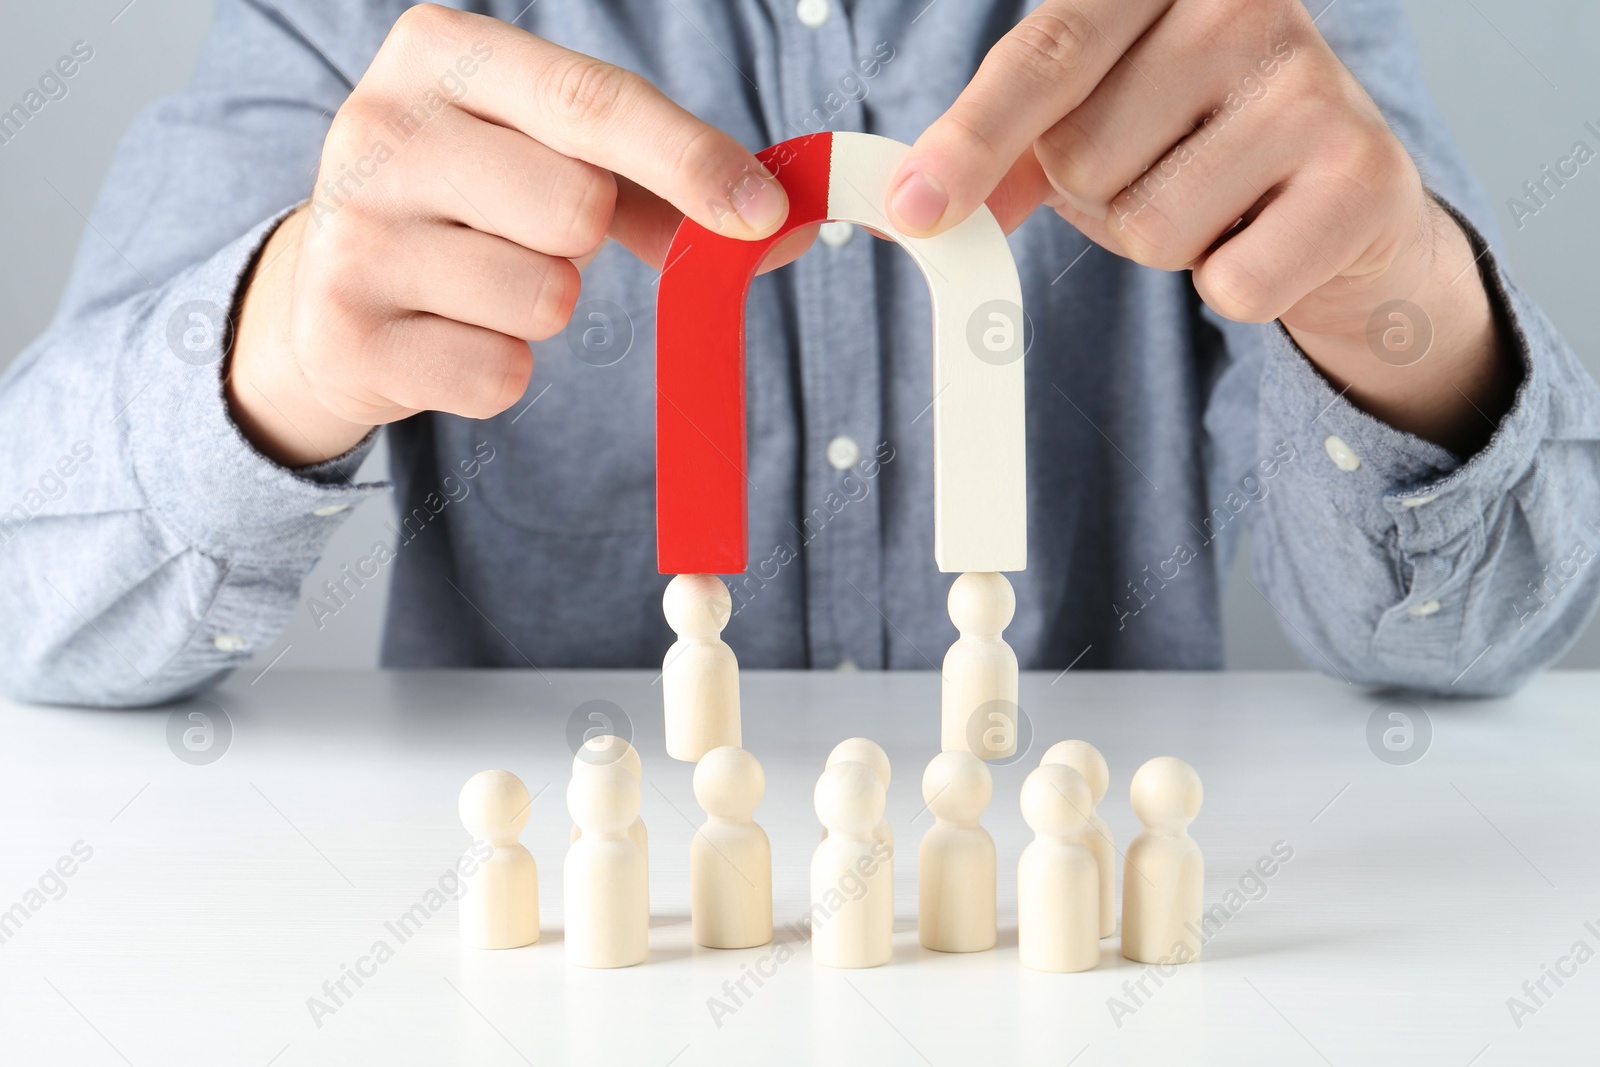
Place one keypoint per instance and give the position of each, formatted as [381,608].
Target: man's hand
[1225,137]
[470,174]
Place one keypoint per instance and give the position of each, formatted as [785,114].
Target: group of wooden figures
[1066,877]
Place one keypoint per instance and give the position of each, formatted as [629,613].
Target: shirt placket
[837,523]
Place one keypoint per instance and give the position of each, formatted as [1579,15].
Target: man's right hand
[464,182]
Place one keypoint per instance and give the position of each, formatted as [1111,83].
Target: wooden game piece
[608,748]
[500,903]
[1164,873]
[700,675]
[606,883]
[604,749]
[979,429]
[978,696]
[863,750]
[1058,885]
[852,897]
[730,859]
[1084,758]
[956,863]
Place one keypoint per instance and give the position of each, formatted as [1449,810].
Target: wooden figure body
[978,699]
[956,863]
[863,750]
[1058,884]
[599,751]
[1164,876]
[605,882]
[852,897]
[1087,761]
[730,859]
[699,674]
[500,903]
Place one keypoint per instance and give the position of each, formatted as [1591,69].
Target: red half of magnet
[702,509]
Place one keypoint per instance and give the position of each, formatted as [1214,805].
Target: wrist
[1428,357]
[267,393]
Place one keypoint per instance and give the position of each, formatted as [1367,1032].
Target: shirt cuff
[196,469]
[1412,499]
[1381,477]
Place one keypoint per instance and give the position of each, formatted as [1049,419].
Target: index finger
[601,114]
[1037,73]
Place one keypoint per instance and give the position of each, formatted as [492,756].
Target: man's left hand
[1226,138]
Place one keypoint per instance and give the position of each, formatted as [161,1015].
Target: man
[1259,286]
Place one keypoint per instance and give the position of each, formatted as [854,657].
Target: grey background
[1515,79]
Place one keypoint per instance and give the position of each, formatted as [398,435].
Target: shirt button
[837,234]
[230,643]
[812,13]
[1423,610]
[846,666]
[1340,453]
[843,452]
[331,509]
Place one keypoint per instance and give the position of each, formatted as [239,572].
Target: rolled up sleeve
[146,548]
[173,549]
[1394,562]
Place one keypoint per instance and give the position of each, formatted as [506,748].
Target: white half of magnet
[979,423]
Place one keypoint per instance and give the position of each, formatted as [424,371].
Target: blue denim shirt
[151,548]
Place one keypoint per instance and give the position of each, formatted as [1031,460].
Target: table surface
[217,899]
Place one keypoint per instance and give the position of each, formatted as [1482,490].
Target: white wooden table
[219,898]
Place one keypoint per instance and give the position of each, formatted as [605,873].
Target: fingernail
[918,203]
[760,203]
